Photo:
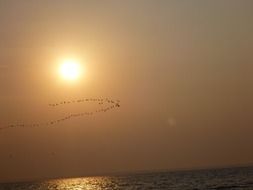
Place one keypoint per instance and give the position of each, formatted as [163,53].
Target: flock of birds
[101,101]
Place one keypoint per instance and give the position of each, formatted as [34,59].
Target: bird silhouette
[102,101]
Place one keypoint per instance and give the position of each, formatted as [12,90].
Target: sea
[209,179]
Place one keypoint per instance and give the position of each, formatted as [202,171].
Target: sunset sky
[181,69]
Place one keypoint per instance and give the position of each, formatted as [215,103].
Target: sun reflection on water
[90,183]
[199,179]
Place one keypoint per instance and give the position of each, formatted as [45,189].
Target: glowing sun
[70,69]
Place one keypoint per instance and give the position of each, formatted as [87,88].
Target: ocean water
[215,179]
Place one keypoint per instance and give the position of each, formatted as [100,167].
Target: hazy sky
[182,70]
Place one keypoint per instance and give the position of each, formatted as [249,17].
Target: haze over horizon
[182,71]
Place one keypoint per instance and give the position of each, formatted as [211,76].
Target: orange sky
[182,70]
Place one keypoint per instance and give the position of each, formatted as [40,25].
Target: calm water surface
[219,179]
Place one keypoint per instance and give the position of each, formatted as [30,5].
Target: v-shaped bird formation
[111,104]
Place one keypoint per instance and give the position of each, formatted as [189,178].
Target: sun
[70,69]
